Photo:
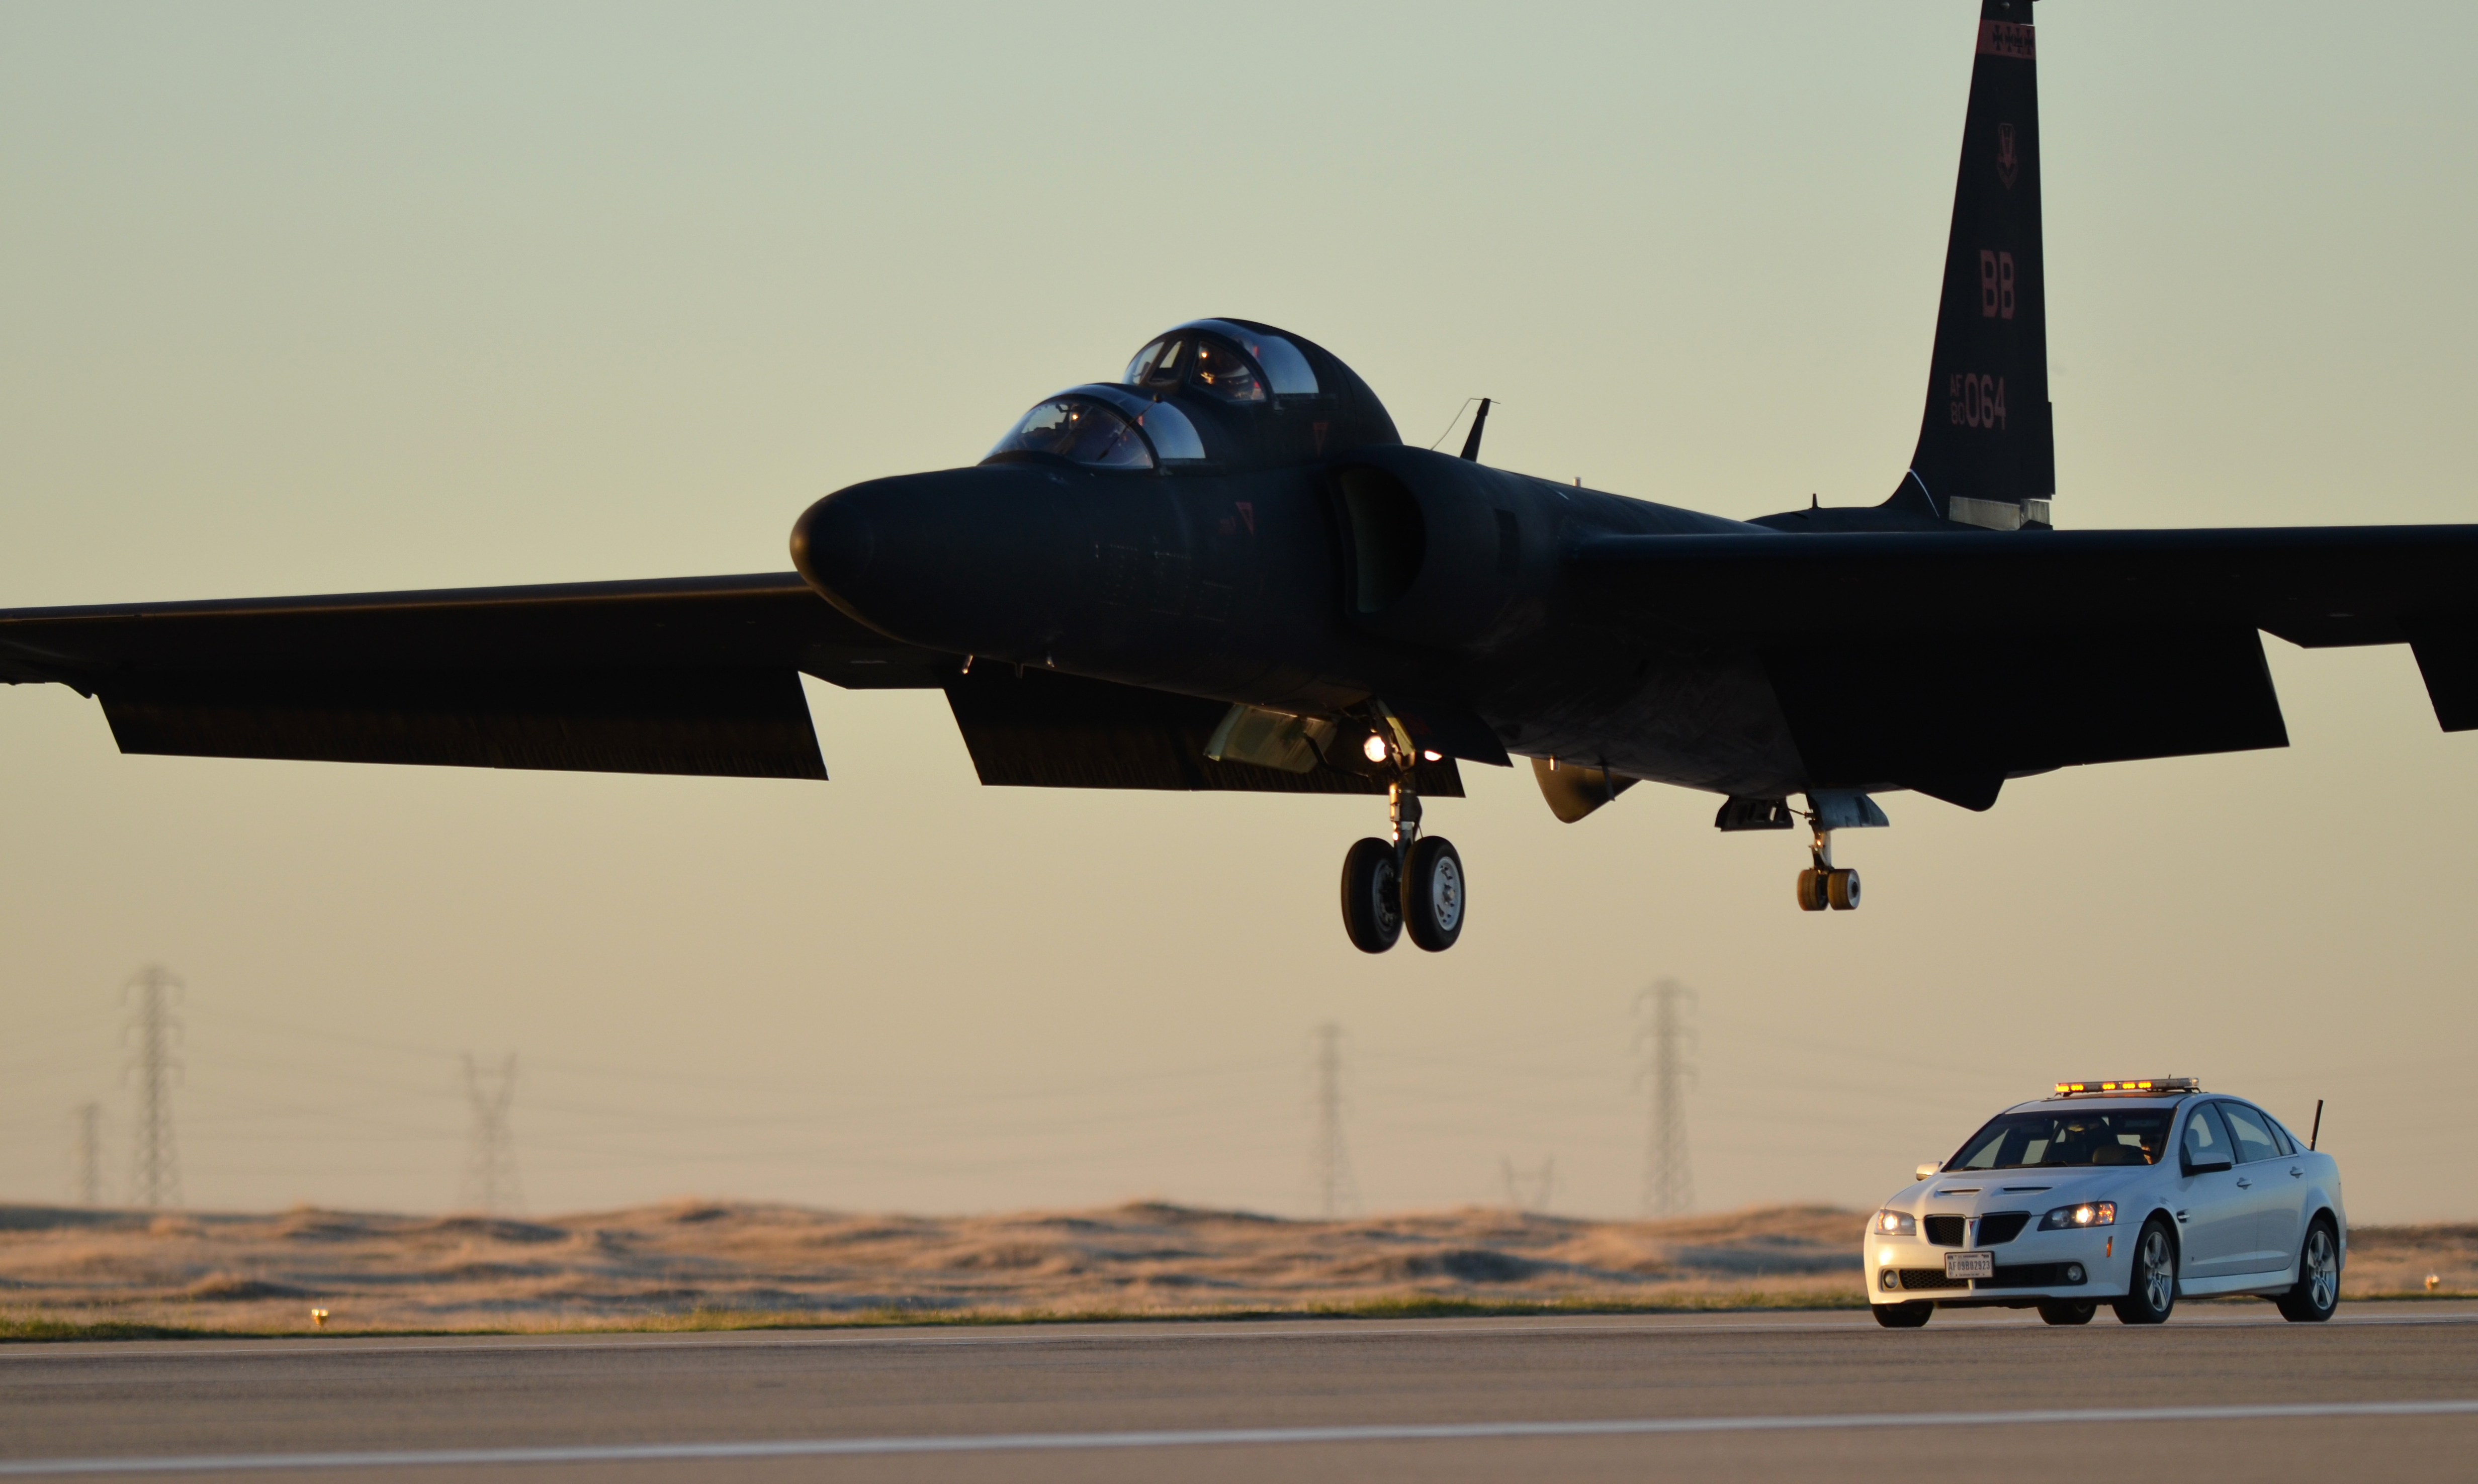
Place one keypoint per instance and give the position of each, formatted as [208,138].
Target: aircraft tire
[1433,898]
[1372,895]
[1841,890]
[1811,891]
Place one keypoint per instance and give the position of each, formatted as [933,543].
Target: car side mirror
[1932,1167]
[2208,1166]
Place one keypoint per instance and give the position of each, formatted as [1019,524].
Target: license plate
[1970,1265]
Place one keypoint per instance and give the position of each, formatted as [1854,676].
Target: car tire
[1903,1316]
[2317,1293]
[2067,1310]
[2151,1295]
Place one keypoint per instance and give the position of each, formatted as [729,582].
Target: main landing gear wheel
[2153,1294]
[1372,895]
[1433,893]
[1903,1316]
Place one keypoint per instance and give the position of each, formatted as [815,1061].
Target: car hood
[2034,1191]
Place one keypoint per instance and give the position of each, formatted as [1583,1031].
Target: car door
[2214,1224]
[2276,1199]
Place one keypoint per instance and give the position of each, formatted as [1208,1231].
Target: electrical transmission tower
[1529,1191]
[1335,1194]
[156,1167]
[86,1154]
[1668,1181]
[491,1158]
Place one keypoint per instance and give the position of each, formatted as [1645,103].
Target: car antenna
[1470,440]
[2316,1132]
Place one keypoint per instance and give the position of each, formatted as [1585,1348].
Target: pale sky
[330,298]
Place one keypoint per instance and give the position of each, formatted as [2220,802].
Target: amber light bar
[2130,1085]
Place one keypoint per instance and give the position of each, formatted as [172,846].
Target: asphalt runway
[2223,1391]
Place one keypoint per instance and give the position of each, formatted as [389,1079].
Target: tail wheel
[1903,1316]
[1372,895]
[2152,1292]
[1841,890]
[1433,893]
[1812,890]
[2318,1278]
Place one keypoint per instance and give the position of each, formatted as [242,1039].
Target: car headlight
[1894,1223]
[2095,1213]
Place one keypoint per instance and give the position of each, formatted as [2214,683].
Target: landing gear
[1408,881]
[1823,885]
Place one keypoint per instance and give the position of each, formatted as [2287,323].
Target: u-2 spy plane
[1226,570]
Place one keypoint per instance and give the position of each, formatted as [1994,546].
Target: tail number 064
[1977,401]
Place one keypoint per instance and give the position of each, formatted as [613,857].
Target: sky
[317,298]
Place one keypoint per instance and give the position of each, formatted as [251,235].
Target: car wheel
[2318,1277]
[2153,1292]
[1903,1316]
[2067,1310]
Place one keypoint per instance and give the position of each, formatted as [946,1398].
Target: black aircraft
[1224,570]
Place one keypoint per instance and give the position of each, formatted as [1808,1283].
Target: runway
[2223,1391]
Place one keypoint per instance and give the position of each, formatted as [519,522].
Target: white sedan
[2124,1193]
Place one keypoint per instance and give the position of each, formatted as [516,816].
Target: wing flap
[750,723]
[1040,729]
[2317,586]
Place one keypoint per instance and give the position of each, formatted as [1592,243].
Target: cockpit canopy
[1104,427]
[1227,362]
[1219,394]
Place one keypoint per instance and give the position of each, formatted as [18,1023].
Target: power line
[156,1169]
[1335,1194]
[491,1158]
[86,1154]
[1668,1180]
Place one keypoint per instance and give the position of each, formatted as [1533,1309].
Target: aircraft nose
[834,542]
[973,560]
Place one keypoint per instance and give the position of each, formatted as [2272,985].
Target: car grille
[2003,1226]
[2029,1275]
[1945,1231]
[1929,1277]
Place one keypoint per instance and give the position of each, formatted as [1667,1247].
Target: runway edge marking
[1208,1437]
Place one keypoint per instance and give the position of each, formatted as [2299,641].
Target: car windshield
[1081,430]
[2067,1135]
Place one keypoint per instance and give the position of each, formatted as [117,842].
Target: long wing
[675,675]
[1948,662]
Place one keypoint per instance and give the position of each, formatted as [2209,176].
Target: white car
[2124,1193]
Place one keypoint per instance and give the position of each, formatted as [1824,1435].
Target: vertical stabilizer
[1987,454]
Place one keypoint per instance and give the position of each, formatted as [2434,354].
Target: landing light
[1375,747]
[1431,757]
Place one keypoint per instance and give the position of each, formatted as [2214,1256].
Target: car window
[2207,1138]
[2066,1136]
[2253,1141]
[2289,1142]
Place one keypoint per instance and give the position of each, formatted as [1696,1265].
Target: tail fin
[1987,453]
